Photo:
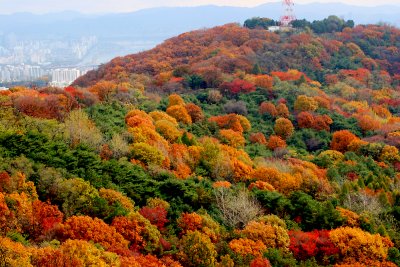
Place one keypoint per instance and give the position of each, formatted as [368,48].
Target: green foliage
[257,22]
[278,258]
[109,118]
[313,214]
[394,256]
[18,237]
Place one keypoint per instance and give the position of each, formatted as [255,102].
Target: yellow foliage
[175,99]
[305,103]
[147,154]
[159,115]
[273,236]
[355,245]
[157,202]
[113,196]
[168,130]
[232,138]
[352,218]
[196,249]
[180,114]
[13,253]
[390,154]
[87,254]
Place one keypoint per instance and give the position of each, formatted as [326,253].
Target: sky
[107,6]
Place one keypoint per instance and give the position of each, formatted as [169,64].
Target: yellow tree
[196,249]
[283,128]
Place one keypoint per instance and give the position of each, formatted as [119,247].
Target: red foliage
[131,230]
[157,216]
[305,245]
[290,75]
[237,86]
[361,75]
[105,153]
[305,120]
[5,181]
[260,262]
[45,217]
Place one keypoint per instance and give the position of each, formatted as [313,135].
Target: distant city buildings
[15,50]
[58,77]
[16,73]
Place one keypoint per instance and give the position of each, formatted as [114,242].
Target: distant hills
[125,33]
[169,21]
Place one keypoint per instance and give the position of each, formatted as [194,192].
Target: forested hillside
[230,146]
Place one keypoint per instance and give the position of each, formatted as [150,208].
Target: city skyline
[105,6]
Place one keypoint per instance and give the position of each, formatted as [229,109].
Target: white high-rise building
[64,77]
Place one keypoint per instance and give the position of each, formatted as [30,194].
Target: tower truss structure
[288,14]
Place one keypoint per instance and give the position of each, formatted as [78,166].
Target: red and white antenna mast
[288,15]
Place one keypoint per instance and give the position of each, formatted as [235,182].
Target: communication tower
[288,15]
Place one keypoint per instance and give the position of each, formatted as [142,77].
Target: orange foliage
[179,113]
[282,110]
[190,222]
[282,182]
[245,247]
[322,122]
[342,139]
[268,107]
[86,228]
[275,142]
[261,185]
[290,75]
[241,171]
[13,253]
[232,138]
[258,138]
[368,123]
[234,122]
[103,89]
[308,120]
[195,112]
[223,184]
[264,81]
[360,75]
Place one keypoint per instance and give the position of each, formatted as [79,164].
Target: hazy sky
[103,6]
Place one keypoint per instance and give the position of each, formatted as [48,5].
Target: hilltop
[231,48]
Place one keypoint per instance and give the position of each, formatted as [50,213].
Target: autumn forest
[221,147]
